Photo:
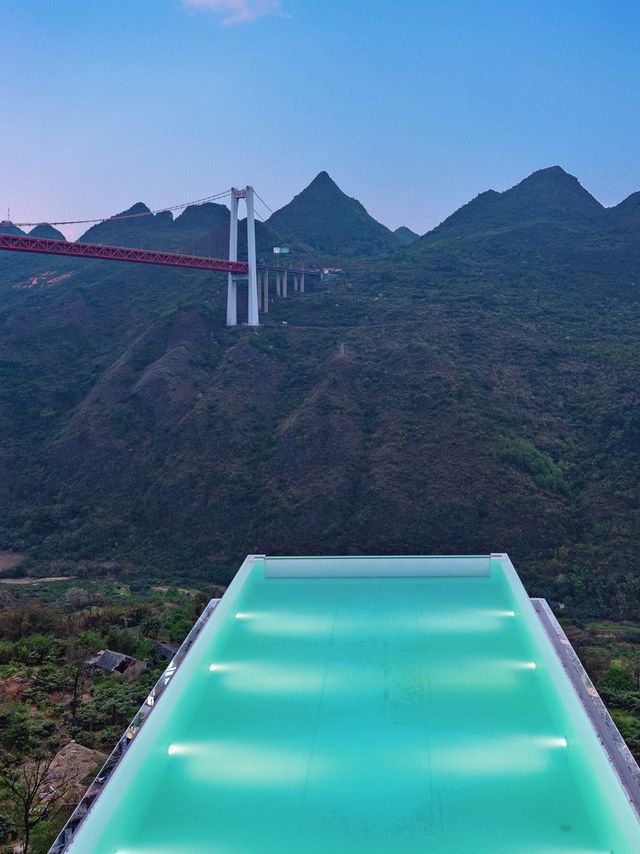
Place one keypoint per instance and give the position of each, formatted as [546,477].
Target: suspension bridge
[256,275]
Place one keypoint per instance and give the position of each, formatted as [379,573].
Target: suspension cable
[296,255]
[308,249]
[127,216]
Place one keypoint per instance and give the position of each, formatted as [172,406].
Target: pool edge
[615,748]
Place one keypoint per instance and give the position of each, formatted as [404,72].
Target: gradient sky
[412,106]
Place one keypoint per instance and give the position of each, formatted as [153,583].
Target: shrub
[525,456]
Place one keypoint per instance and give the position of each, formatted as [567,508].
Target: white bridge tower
[252,275]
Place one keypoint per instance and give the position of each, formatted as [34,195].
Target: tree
[77,651]
[151,625]
[617,677]
[32,794]
[76,599]
[16,732]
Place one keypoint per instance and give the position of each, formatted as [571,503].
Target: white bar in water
[432,566]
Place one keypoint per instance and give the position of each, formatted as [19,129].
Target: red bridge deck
[20,243]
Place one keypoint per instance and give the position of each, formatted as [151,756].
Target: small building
[117,662]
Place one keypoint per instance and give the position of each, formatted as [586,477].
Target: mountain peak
[552,172]
[550,196]
[632,202]
[133,227]
[47,231]
[138,208]
[7,227]
[559,189]
[551,175]
[323,216]
[204,216]
[405,235]
[323,178]
[323,184]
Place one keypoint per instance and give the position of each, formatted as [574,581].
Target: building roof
[109,660]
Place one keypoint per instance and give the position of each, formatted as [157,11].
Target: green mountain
[327,220]
[546,227]
[626,216]
[474,391]
[46,231]
[7,227]
[199,229]
[405,236]
[136,226]
[549,196]
[201,218]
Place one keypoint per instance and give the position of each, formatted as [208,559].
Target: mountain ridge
[405,236]
[47,231]
[548,195]
[376,412]
[331,222]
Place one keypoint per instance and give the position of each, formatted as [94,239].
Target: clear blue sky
[413,106]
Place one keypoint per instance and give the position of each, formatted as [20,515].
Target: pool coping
[613,744]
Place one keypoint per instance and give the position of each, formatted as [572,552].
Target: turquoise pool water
[366,714]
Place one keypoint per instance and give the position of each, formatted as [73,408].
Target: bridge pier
[232,297]
[265,291]
[253,318]
[284,283]
[301,283]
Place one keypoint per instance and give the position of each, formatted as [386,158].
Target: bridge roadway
[23,243]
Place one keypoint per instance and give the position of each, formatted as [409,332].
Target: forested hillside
[473,390]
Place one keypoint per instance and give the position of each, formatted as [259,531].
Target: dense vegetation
[468,392]
[48,693]
[610,651]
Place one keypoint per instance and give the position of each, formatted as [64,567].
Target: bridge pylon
[253,318]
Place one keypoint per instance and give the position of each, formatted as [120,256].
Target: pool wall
[379,566]
[621,758]
[582,718]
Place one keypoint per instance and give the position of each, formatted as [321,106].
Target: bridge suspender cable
[308,249]
[126,216]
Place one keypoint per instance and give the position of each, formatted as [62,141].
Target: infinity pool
[367,706]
